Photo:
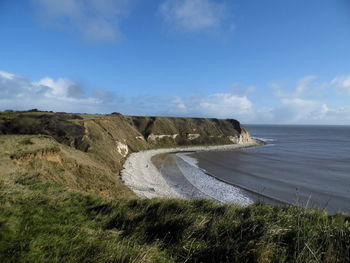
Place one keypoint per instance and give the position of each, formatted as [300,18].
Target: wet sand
[168,167]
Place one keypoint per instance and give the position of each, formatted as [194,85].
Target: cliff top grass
[41,221]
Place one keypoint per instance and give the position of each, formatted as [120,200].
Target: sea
[307,166]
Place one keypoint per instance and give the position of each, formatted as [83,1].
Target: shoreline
[145,180]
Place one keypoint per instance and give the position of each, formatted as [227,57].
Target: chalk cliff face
[166,131]
[245,136]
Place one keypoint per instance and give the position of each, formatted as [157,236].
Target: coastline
[142,176]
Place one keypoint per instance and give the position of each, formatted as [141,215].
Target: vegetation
[44,222]
[99,135]
[59,126]
[58,163]
[67,204]
[210,131]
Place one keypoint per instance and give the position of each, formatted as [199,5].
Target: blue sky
[268,61]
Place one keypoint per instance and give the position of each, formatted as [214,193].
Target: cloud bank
[20,93]
[343,84]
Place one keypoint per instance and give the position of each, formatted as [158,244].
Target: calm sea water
[305,165]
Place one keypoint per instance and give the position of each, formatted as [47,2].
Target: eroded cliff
[82,143]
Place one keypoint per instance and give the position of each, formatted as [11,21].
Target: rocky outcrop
[153,138]
[193,136]
[122,148]
[245,136]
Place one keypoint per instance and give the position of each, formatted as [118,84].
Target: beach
[144,173]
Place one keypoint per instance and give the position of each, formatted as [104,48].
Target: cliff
[85,143]
[188,131]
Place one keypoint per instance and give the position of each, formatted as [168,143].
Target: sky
[264,62]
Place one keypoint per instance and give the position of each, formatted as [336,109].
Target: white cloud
[292,107]
[96,20]
[237,88]
[225,105]
[341,113]
[302,85]
[194,15]
[18,92]
[217,105]
[296,110]
[180,105]
[59,89]
[342,83]
[307,102]
[6,75]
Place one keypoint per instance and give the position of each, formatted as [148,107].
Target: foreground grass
[43,222]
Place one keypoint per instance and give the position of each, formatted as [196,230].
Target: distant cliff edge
[118,135]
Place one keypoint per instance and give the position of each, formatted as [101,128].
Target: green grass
[64,128]
[19,146]
[25,153]
[26,141]
[44,222]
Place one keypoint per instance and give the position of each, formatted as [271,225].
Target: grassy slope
[44,222]
[58,204]
[60,164]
